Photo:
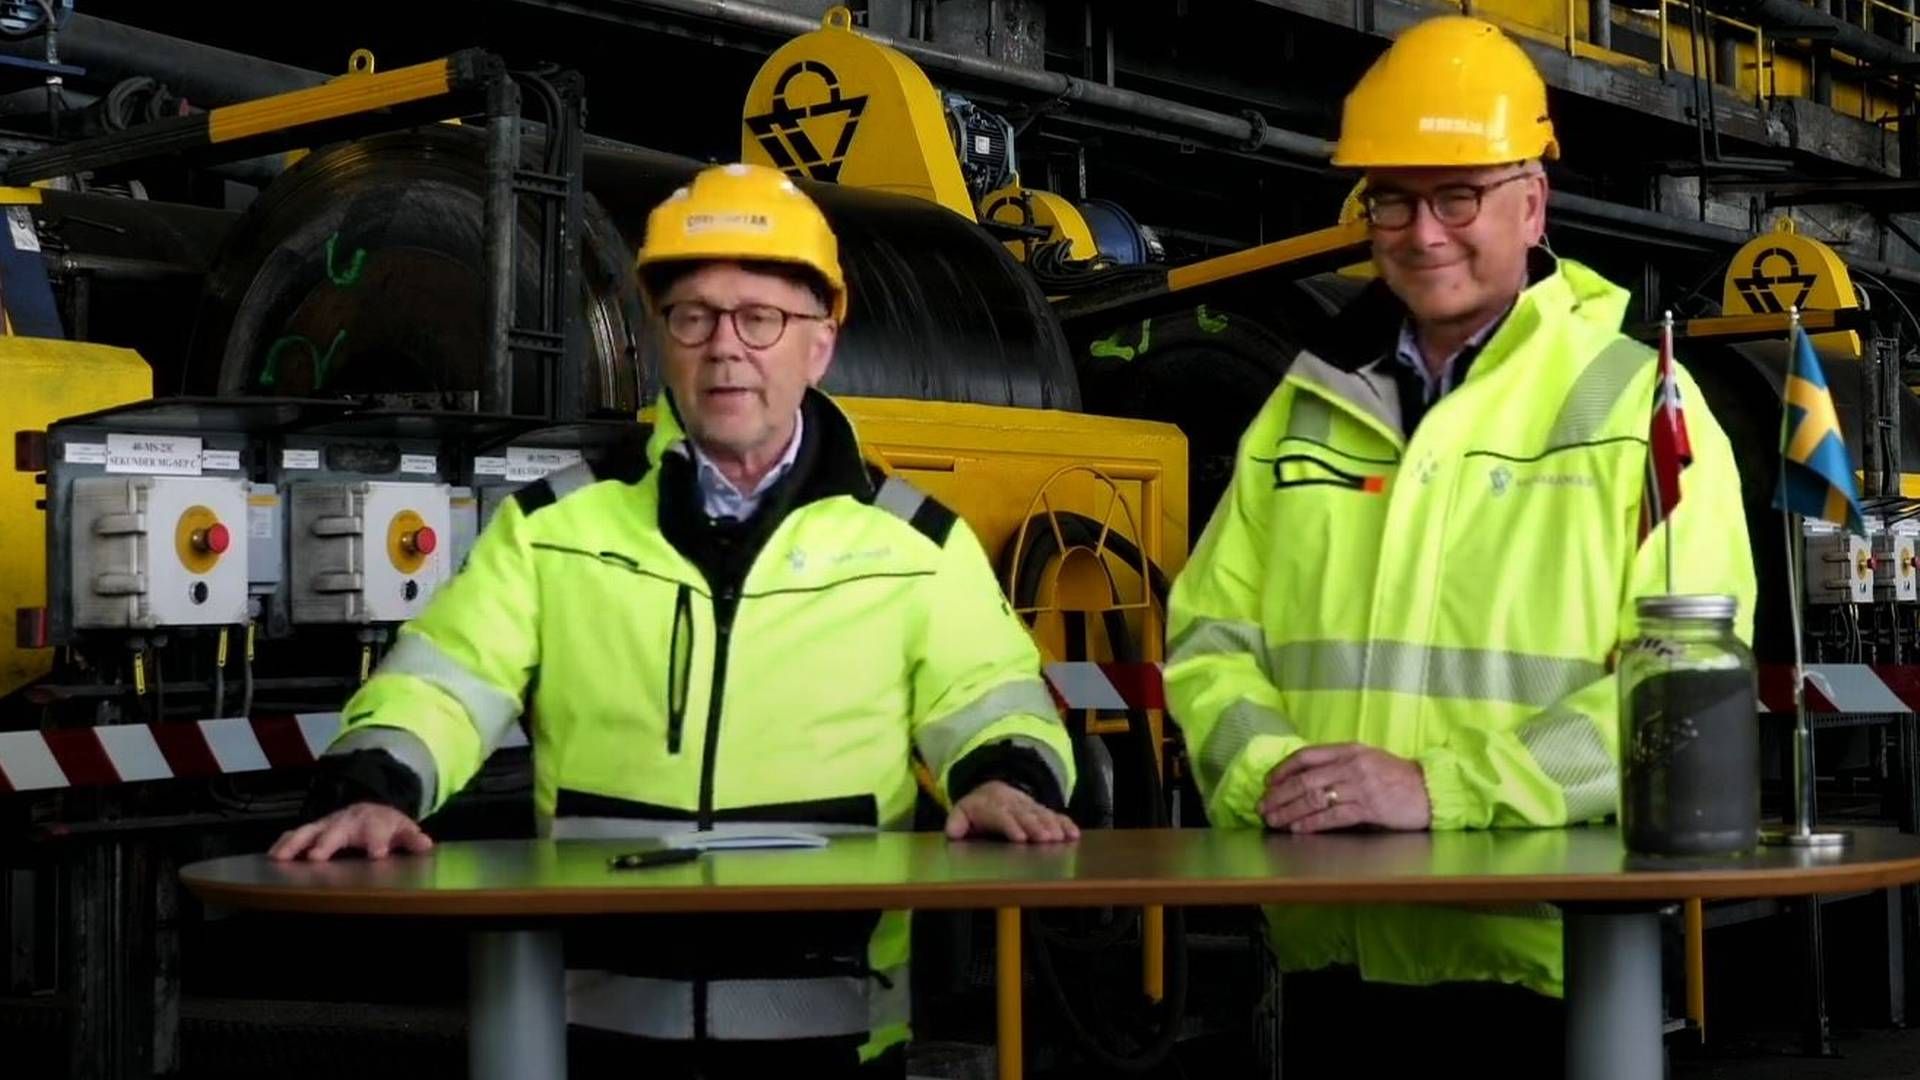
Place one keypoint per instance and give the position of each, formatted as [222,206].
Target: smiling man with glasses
[1404,612]
[742,628]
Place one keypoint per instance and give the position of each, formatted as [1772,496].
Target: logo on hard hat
[1452,125]
[742,222]
[810,140]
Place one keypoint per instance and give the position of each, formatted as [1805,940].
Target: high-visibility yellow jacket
[681,671]
[1454,597]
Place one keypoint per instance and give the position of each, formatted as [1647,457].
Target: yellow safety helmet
[1452,91]
[745,213]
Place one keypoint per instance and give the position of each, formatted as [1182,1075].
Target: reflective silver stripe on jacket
[1310,418]
[1239,724]
[1430,670]
[565,482]
[406,748]
[1568,748]
[489,708]
[941,741]
[1219,637]
[740,1009]
[1598,388]
[899,498]
[618,828]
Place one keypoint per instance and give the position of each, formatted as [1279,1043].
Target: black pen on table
[666,856]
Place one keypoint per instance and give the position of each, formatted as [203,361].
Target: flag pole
[1799,831]
[1666,349]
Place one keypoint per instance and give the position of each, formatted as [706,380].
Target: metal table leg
[1011,1055]
[1613,994]
[517,1011]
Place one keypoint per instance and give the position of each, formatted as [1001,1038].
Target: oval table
[511,895]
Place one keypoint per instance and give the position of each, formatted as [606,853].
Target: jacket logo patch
[1501,480]
[798,560]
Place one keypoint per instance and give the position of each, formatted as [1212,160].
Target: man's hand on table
[1345,784]
[1000,809]
[370,827]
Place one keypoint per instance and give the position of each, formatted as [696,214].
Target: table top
[536,878]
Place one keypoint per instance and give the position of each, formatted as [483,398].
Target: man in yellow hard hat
[741,629]
[1404,612]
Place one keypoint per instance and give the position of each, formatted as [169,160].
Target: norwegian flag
[1668,450]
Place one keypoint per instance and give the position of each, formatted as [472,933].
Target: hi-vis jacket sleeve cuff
[1454,802]
[1237,794]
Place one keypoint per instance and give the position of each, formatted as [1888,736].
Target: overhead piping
[1247,132]
[204,74]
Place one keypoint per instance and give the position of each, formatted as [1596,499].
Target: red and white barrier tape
[126,753]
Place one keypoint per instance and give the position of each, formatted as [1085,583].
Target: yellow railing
[1562,24]
[1762,70]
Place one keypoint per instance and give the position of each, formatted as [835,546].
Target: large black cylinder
[359,272]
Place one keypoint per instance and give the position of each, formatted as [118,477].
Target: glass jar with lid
[1689,730]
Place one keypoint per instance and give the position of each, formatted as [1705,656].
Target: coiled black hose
[1097,1039]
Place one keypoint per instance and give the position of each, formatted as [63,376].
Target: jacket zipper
[726,603]
[679,668]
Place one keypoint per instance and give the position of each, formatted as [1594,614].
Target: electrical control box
[1894,574]
[155,551]
[367,551]
[1839,565]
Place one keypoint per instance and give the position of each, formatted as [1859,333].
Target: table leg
[1007,972]
[1613,995]
[517,1014]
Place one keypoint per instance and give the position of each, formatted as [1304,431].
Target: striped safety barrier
[128,753]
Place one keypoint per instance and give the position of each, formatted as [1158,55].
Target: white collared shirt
[721,498]
[1408,353]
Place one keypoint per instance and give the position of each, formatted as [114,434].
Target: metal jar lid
[1686,607]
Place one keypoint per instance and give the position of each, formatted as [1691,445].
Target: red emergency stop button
[423,540]
[214,539]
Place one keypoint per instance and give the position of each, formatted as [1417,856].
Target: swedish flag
[1816,476]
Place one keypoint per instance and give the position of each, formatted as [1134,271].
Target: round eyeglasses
[1453,205]
[758,326]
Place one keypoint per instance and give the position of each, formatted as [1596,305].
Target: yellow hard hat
[745,213]
[1452,91]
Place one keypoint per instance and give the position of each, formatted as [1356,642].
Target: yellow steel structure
[42,381]
[1760,69]
[338,98]
[1018,205]
[1349,235]
[835,106]
[994,464]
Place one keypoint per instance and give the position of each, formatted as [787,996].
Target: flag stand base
[1815,838]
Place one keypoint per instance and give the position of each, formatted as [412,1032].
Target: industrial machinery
[239,499]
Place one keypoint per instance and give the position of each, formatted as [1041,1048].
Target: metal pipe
[497,244]
[119,267]
[1600,23]
[204,74]
[1651,225]
[1050,85]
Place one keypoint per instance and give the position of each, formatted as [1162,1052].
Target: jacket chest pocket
[1325,506]
[624,664]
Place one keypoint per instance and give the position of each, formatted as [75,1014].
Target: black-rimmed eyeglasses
[758,326]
